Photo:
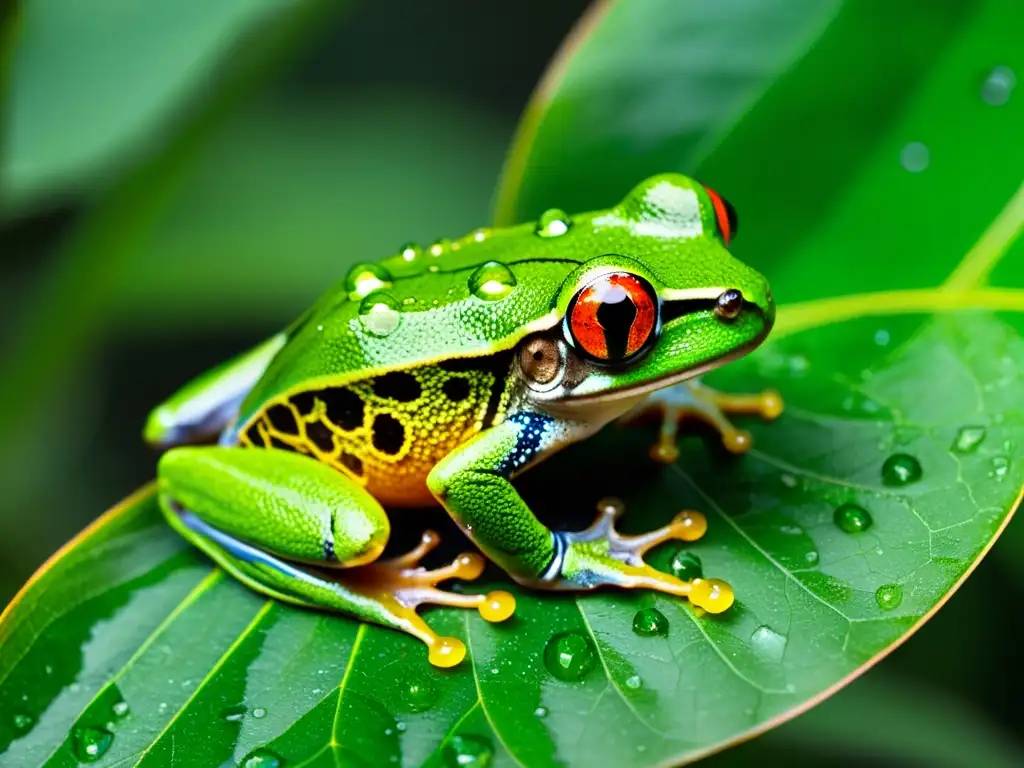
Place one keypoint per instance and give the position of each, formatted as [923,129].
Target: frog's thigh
[277,501]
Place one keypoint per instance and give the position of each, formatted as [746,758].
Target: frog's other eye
[729,304]
[728,222]
[613,318]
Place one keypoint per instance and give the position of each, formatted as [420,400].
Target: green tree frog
[436,376]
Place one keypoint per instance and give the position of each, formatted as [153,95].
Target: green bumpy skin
[438,375]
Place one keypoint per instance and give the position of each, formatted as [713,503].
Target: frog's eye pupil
[725,215]
[614,317]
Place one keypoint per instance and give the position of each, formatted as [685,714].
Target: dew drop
[998,86]
[650,622]
[633,682]
[481,234]
[492,281]
[541,712]
[233,714]
[468,752]
[914,157]
[788,480]
[90,744]
[262,758]
[380,313]
[768,643]
[1000,468]
[259,712]
[420,695]
[364,279]
[686,566]
[889,596]
[439,246]
[554,222]
[23,722]
[901,469]
[967,439]
[410,252]
[120,708]
[569,656]
[852,518]
[881,337]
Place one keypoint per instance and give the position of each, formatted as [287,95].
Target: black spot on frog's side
[344,408]
[352,462]
[283,420]
[321,436]
[254,436]
[399,386]
[456,389]
[388,434]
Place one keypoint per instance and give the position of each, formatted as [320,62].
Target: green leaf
[873,359]
[96,84]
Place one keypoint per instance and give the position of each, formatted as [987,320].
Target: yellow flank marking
[794,318]
[996,240]
[515,165]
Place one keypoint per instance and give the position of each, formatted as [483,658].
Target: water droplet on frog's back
[768,644]
[492,281]
[968,439]
[380,313]
[852,518]
[468,751]
[998,86]
[90,744]
[569,656]
[901,469]
[363,279]
[554,222]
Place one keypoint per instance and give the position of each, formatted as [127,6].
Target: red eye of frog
[613,317]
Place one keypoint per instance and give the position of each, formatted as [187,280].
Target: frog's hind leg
[296,530]
[693,400]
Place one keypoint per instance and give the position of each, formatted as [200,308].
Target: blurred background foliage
[180,178]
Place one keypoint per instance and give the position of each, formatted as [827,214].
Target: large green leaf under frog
[134,646]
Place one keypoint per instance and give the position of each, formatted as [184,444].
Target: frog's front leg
[266,515]
[473,484]
[693,400]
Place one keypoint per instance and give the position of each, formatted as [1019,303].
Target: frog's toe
[600,555]
[402,584]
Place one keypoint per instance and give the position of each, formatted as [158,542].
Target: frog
[436,376]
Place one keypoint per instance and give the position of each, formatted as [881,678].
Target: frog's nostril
[729,305]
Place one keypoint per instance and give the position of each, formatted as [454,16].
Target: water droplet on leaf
[650,622]
[686,566]
[889,596]
[439,246]
[554,222]
[410,252]
[1000,468]
[262,758]
[420,695]
[634,682]
[768,643]
[380,313]
[23,722]
[569,656]
[234,714]
[851,518]
[120,708]
[541,711]
[259,712]
[998,86]
[901,469]
[915,157]
[967,439]
[492,281]
[468,752]
[90,744]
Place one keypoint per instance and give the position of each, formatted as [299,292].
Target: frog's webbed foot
[600,555]
[401,585]
[693,400]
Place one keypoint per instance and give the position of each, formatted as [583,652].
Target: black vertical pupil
[616,317]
